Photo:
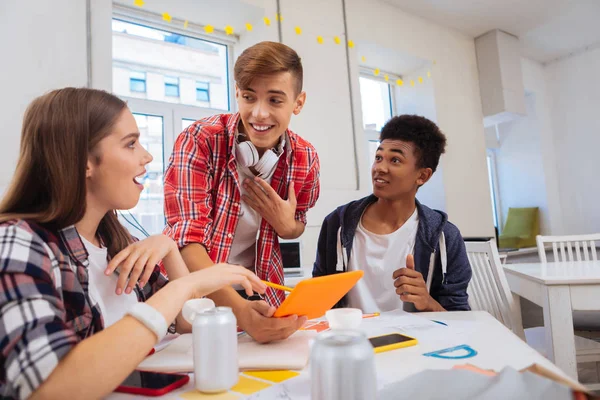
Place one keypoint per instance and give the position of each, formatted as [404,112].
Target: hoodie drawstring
[444,260]
[342,258]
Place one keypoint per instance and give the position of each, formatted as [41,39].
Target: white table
[497,348]
[559,288]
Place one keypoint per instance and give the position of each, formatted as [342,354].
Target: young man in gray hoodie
[412,257]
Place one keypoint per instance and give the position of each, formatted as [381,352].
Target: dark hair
[60,130]
[264,59]
[429,141]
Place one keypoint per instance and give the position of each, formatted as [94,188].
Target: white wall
[44,47]
[420,100]
[520,168]
[574,89]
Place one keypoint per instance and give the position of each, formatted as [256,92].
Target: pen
[371,315]
[276,286]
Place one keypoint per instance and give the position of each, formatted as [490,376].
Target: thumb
[410,262]
[263,308]
[291,194]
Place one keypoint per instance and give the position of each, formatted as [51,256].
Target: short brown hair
[267,58]
[60,129]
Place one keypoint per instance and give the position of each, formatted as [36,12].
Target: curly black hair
[429,141]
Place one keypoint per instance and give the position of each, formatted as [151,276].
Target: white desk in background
[497,348]
[559,288]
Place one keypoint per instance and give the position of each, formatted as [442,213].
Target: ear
[89,168]
[237,92]
[300,100]
[424,176]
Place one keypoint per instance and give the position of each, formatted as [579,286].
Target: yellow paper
[320,39]
[186,24]
[249,27]
[209,29]
[337,40]
[248,386]
[376,72]
[350,44]
[196,395]
[229,30]
[273,376]
[412,83]
[429,74]
[139,3]
[363,59]
[278,17]
[420,79]
[399,82]
[267,21]
[386,77]
[298,30]
[167,17]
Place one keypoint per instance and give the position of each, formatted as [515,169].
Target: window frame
[494,188]
[370,74]
[155,21]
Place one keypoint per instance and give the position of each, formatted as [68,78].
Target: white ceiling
[547,29]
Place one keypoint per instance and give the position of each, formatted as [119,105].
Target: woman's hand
[218,276]
[138,260]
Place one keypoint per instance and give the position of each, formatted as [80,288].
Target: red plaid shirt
[202,195]
[45,306]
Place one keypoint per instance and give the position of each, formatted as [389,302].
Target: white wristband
[151,318]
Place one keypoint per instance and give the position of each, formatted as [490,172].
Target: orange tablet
[313,297]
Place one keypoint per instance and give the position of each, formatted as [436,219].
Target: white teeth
[140,176]
[261,128]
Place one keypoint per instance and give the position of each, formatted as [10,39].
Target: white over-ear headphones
[247,155]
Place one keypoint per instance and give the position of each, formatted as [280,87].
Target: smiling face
[395,173]
[266,107]
[114,166]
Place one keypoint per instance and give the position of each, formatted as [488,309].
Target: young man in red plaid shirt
[235,182]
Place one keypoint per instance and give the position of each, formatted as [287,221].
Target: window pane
[202,95]
[136,85]
[185,122]
[168,58]
[171,89]
[149,210]
[376,103]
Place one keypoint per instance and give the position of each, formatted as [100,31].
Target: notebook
[291,353]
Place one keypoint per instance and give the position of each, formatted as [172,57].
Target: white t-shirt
[379,256]
[102,288]
[243,248]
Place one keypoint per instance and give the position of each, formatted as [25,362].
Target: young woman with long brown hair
[76,316]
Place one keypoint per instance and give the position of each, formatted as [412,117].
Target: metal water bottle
[214,342]
[342,367]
